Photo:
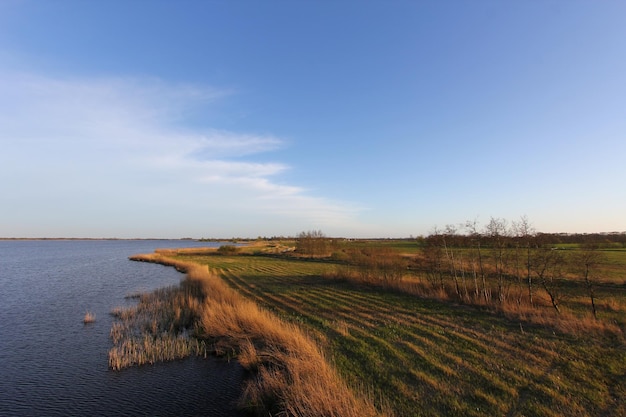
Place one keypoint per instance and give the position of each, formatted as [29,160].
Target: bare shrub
[228,250]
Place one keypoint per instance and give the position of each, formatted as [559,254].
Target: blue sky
[357,118]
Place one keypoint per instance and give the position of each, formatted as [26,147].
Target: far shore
[94,238]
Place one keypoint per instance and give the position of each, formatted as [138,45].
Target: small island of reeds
[89,317]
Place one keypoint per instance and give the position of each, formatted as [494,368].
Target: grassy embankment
[289,374]
[437,356]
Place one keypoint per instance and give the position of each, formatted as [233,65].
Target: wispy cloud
[126,137]
[220,144]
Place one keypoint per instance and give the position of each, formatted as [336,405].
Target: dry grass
[290,374]
[157,328]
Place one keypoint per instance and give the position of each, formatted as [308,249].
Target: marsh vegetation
[448,324]
[158,328]
[89,317]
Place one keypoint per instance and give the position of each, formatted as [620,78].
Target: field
[428,356]
[424,356]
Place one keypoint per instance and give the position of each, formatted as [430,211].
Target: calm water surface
[51,364]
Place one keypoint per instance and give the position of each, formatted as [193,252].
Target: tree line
[498,263]
[508,259]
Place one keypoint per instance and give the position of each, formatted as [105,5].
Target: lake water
[51,364]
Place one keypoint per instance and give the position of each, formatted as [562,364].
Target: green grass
[614,268]
[399,245]
[425,357]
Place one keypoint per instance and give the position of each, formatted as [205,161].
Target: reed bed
[157,329]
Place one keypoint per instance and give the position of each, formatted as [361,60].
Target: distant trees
[498,264]
[313,243]
[509,260]
[479,254]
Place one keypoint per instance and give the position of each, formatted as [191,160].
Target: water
[51,364]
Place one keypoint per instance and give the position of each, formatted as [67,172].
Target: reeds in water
[157,329]
[89,317]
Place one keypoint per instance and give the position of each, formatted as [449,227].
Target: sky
[161,119]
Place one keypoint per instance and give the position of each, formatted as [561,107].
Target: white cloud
[227,144]
[90,143]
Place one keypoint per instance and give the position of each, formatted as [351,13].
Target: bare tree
[497,232]
[585,261]
[433,253]
[475,239]
[312,243]
[547,264]
[450,234]
[526,233]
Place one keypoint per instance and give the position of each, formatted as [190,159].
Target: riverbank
[289,373]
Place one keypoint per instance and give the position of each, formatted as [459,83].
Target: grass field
[424,357]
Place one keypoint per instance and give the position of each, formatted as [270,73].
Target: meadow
[402,343]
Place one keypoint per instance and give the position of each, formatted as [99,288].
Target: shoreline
[287,371]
